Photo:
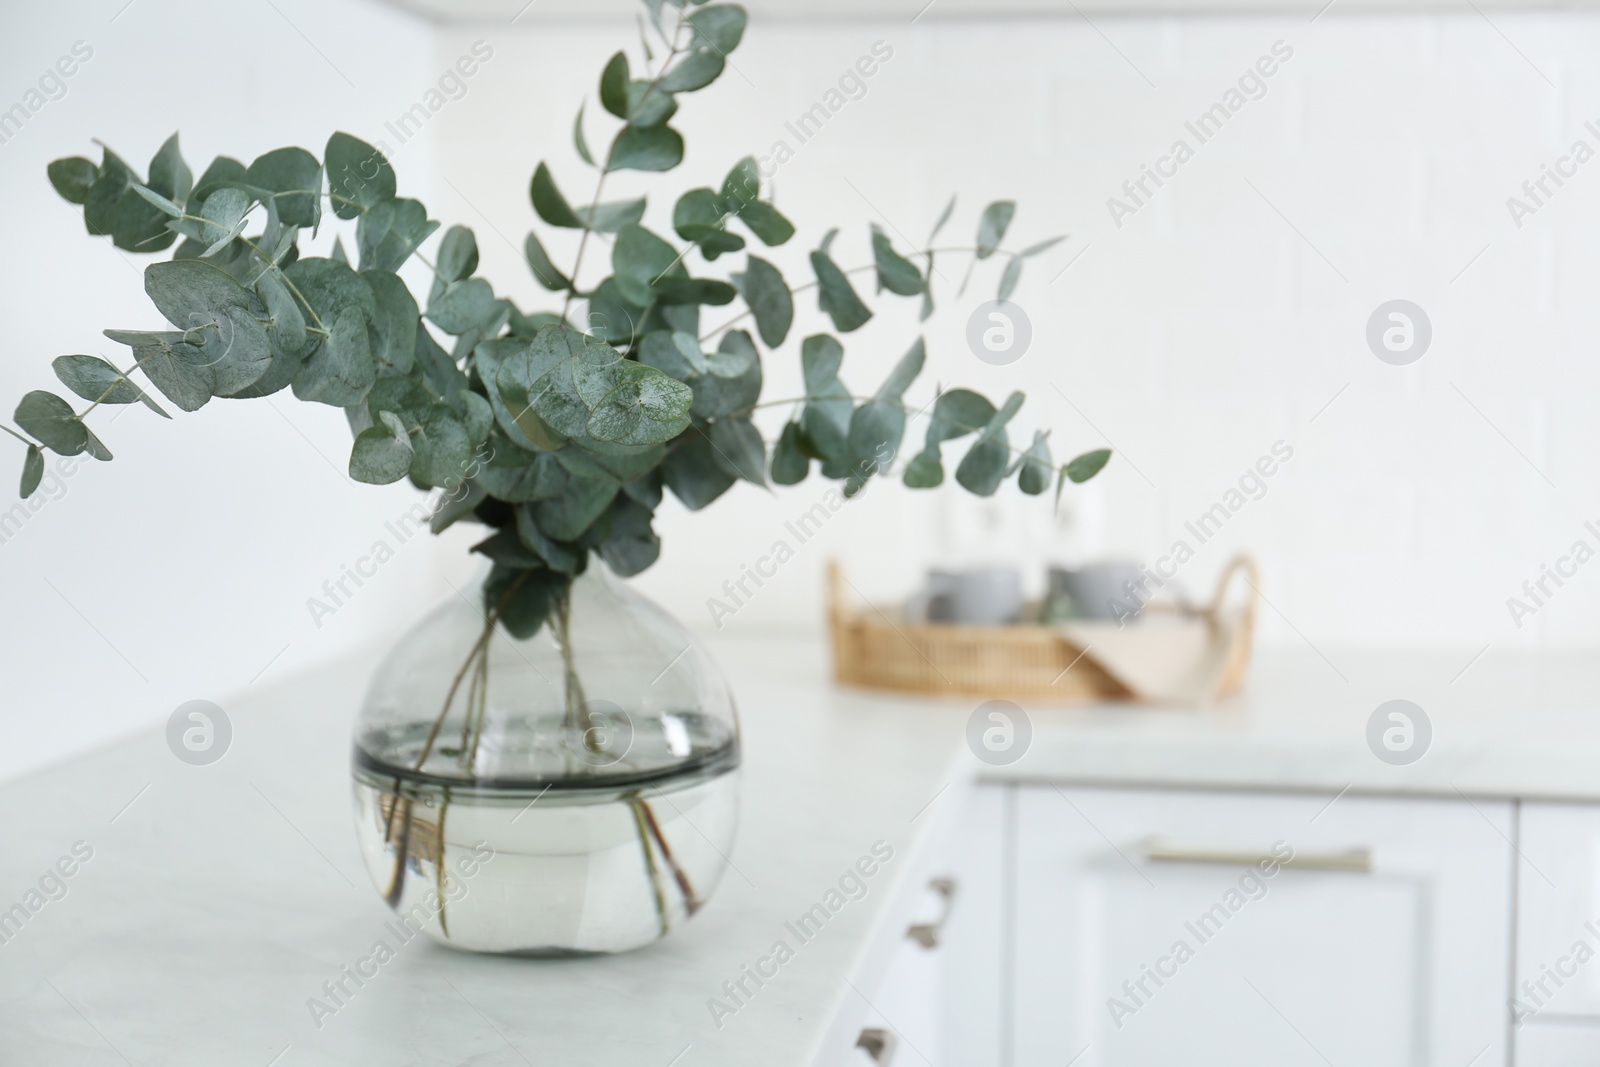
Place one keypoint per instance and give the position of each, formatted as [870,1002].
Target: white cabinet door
[1216,955]
[1558,915]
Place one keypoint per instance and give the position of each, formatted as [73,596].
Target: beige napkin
[1166,657]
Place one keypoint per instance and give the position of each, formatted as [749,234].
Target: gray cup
[985,596]
[1098,591]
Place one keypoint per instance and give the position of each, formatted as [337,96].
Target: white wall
[1218,320]
[1221,318]
[181,569]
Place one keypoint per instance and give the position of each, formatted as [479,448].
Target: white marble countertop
[220,898]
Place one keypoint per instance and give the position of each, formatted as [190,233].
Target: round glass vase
[568,794]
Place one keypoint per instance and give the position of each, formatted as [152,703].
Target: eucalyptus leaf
[694,71]
[169,174]
[645,407]
[551,206]
[52,423]
[992,226]
[609,218]
[32,471]
[1009,277]
[181,371]
[738,446]
[719,27]
[835,295]
[442,449]
[650,148]
[895,273]
[341,371]
[218,315]
[462,305]
[693,474]
[294,177]
[73,178]
[393,325]
[458,255]
[382,453]
[578,140]
[638,259]
[766,222]
[715,395]
[649,104]
[359,175]
[1086,466]
[825,419]
[544,271]
[565,517]
[614,85]
[98,381]
[631,546]
[984,466]
[390,232]
[769,299]
[790,465]
[1034,477]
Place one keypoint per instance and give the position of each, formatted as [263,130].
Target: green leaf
[677,355]
[769,299]
[1086,466]
[382,452]
[32,471]
[517,476]
[462,305]
[638,259]
[546,550]
[52,423]
[738,446]
[578,140]
[222,171]
[876,429]
[694,71]
[742,186]
[169,174]
[631,545]
[614,85]
[358,175]
[162,204]
[992,227]
[790,465]
[394,322]
[544,272]
[719,27]
[904,373]
[766,222]
[524,598]
[182,372]
[295,177]
[696,210]
[895,273]
[925,470]
[692,473]
[341,371]
[835,295]
[609,218]
[223,212]
[674,288]
[1008,278]
[984,466]
[716,395]
[581,502]
[443,450]
[957,413]
[458,254]
[645,407]
[551,206]
[1035,249]
[944,217]
[825,419]
[649,104]
[390,231]
[612,317]
[219,316]
[96,380]
[507,548]
[73,178]
[650,148]
[1034,477]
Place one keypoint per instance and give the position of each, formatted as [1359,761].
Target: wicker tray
[876,650]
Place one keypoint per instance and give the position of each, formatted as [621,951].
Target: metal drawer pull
[1161,850]
[879,1043]
[927,934]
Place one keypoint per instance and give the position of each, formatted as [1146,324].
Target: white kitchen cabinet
[1558,916]
[1125,959]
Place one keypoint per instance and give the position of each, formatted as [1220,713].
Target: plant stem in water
[650,863]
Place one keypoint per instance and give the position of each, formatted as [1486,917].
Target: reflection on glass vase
[572,793]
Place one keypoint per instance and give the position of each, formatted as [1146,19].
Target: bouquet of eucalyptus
[557,430]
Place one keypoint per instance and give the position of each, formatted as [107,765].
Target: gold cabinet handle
[1164,850]
[927,934]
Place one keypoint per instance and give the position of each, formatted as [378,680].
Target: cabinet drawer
[1214,928]
[1558,913]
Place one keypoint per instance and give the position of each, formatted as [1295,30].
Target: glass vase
[568,794]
